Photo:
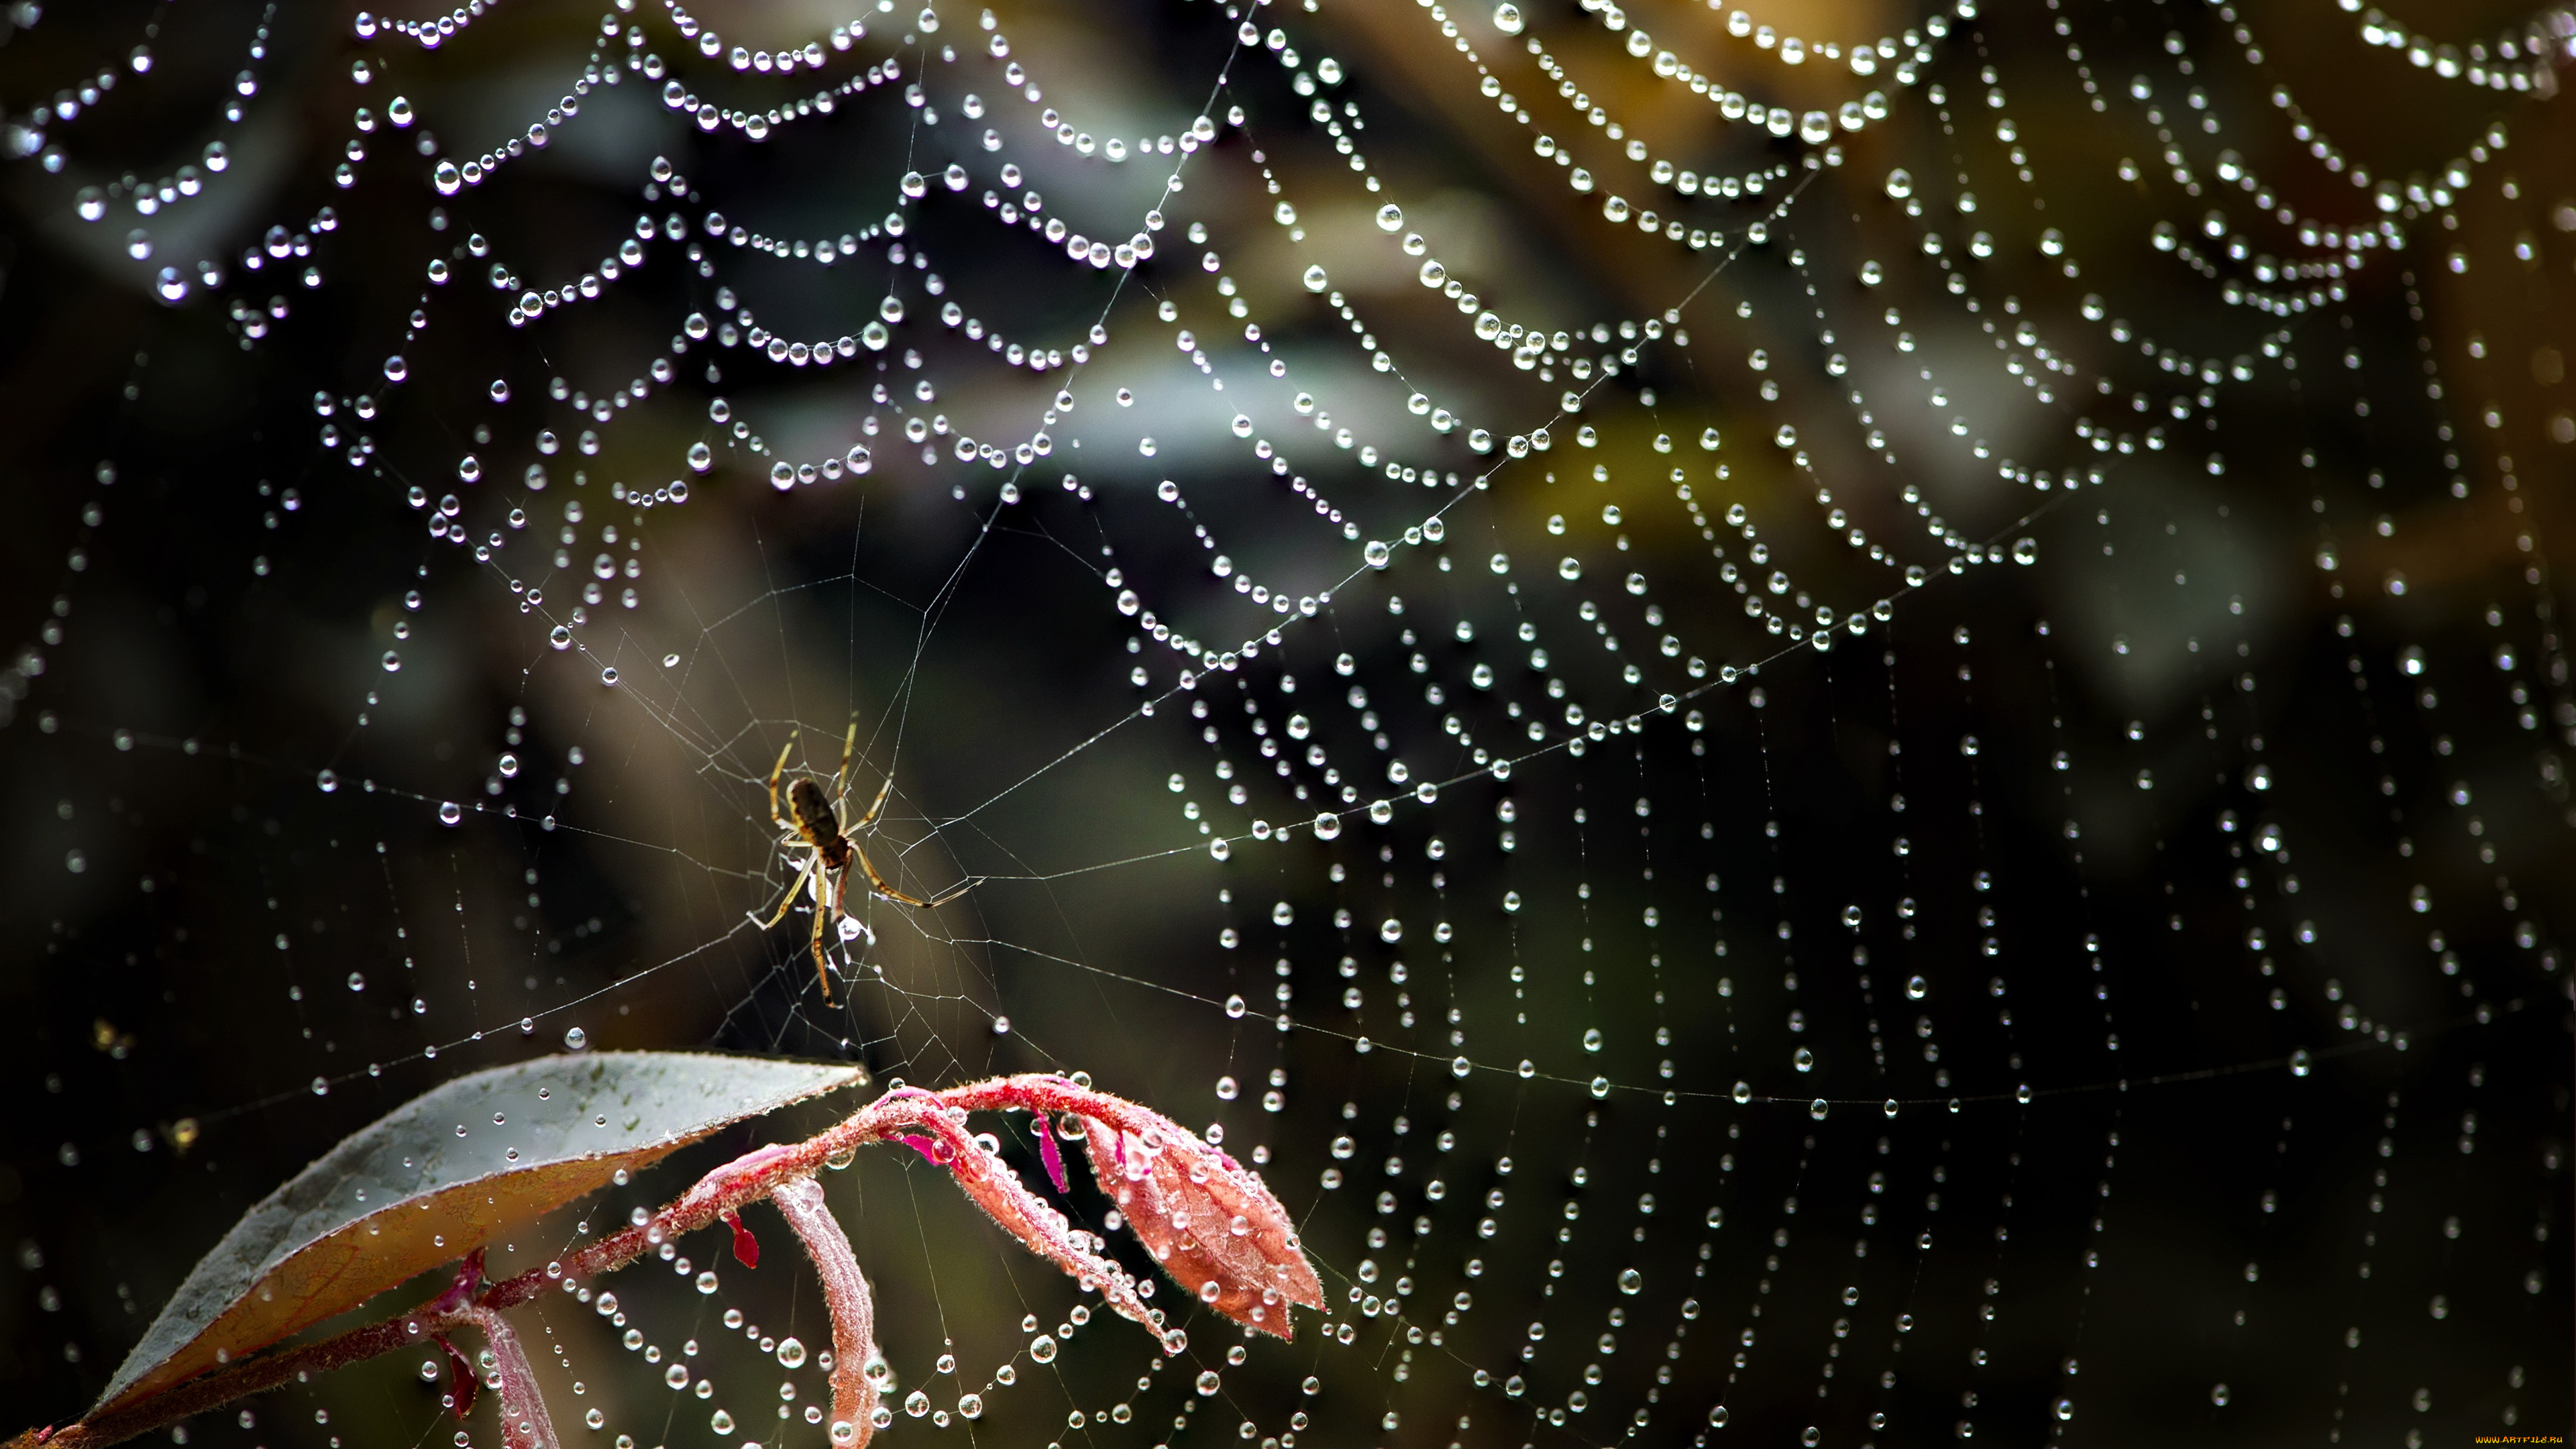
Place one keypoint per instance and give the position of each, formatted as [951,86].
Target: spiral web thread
[1821,534]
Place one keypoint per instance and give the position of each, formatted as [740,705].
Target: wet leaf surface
[437,1178]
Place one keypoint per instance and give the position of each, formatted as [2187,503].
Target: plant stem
[781,1172]
[845,1293]
[524,1421]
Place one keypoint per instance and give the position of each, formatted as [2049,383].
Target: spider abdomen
[813,812]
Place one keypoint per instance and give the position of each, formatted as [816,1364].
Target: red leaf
[1206,1218]
[746,1248]
[461,1382]
[1213,1227]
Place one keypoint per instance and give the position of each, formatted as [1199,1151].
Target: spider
[825,873]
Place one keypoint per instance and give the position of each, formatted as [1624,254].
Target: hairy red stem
[845,1293]
[524,1423]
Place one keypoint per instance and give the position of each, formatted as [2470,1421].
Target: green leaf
[438,1177]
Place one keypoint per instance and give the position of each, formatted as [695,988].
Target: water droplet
[1891,1106]
[791,1352]
[172,285]
[670,661]
[970,1406]
[393,662]
[396,369]
[1803,1059]
[1459,1067]
[677,1376]
[574,1040]
[321,1086]
[1816,1109]
[138,244]
[2300,1062]
[2065,1410]
[2021,1094]
[1743,1093]
[357,981]
[1632,1281]
[1315,279]
[1592,1039]
[701,457]
[1207,1381]
[1042,1348]
[1390,930]
[92,203]
[327,781]
[595,1418]
[608,676]
[2218,1395]
[447,178]
[1916,987]
[1234,1006]
[1507,19]
[449,812]
[720,1421]
[560,637]
[707,1282]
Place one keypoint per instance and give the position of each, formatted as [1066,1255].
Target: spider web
[1833,725]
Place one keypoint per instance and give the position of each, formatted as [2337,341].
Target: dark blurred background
[2228,814]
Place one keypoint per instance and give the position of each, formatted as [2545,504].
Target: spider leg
[959,889]
[879,884]
[774,817]
[841,779]
[822,969]
[870,818]
[788,899]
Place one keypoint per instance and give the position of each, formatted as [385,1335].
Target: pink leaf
[1021,1213]
[1053,1154]
[1208,1220]
[845,1294]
